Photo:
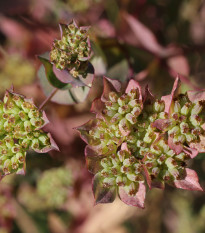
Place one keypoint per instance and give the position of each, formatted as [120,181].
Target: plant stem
[48,98]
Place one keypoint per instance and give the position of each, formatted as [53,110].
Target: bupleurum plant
[20,130]
[136,138]
[73,50]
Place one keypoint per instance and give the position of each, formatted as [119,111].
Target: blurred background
[149,40]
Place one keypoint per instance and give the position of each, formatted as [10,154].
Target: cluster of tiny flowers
[121,169]
[19,130]
[53,186]
[152,130]
[73,50]
[186,121]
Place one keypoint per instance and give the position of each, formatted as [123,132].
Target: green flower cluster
[136,138]
[122,169]
[53,186]
[20,130]
[186,120]
[73,50]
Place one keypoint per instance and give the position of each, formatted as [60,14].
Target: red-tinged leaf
[134,85]
[84,129]
[190,182]
[46,149]
[192,152]
[179,64]
[161,124]
[199,146]
[92,160]
[168,99]
[147,176]
[148,96]
[177,148]
[137,200]
[195,96]
[102,194]
[109,86]
[65,77]
[46,121]
[97,106]
[146,38]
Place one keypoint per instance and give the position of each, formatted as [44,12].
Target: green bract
[136,137]
[73,49]
[20,130]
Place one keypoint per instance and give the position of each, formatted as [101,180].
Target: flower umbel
[73,50]
[20,130]
[136,138]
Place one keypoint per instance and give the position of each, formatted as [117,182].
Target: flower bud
[185,109]
[159,106]
[121,180]
[177,107]
[109,181]
[131,118]
[132,188]
[197,108]
[20,157]
[113,97]
[195,120]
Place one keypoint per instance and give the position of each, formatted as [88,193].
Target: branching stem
[48,98]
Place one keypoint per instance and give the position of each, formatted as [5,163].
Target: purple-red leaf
[97,106]
[109,86]
[137,199]
[102,194]
[92,160]
[192,152]
[200,146]
[168,99]
[161,124]
[148,96]
[190,182]
[177,148]
[195,96]
[83,129]
[146,38]
[134,85]
[52,146]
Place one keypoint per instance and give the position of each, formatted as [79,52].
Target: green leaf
[68,95]
[50,74]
